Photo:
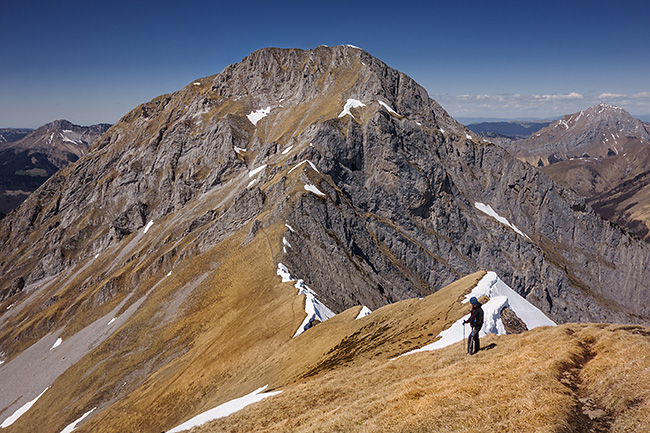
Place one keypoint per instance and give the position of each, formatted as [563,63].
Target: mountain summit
[213,225]
[599,131]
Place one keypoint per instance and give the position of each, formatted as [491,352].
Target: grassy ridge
[534,382]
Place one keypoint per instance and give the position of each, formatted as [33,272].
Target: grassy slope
[534,382]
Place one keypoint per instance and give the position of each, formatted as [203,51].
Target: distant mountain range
[510,129]
[13,134]
[602,153]
[29,157]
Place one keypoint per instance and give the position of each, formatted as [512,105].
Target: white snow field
[225,409]
[257,170]
[387,107]
[71,427]
[313,189]
[365,311]
[314,309]
[487,209]
[21,411]
[350,104]
[149,224]
[257,115]
[500,296]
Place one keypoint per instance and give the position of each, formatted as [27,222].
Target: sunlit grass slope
[545,380]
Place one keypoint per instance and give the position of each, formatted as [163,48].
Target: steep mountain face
[30,160]
[156,256]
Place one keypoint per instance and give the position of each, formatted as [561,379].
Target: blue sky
[92,61]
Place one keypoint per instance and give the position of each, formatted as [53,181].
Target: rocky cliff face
[380,186]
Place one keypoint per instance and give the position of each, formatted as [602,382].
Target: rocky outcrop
[512,322]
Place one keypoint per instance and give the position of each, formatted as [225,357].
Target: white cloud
[517,105]
[611,96]
[572,95]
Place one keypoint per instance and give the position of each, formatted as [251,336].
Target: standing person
[476,323]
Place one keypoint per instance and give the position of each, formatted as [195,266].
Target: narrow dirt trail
[589,416]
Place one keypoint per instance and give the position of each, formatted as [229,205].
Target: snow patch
[56,344]
[290,228]
[20,412]
[149,224]
[315,309]
[286,243]
[73,426]
[350,104]
[257,170]
[257,115]
[196,83]
[501,295]
[469,137]
[387,107]
[313,166]
[313,189]
[283,272]
[225,409]
[487,209]
[352,46]
[287,150]
[365,311]
[239,150]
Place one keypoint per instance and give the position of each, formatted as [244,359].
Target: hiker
[476,323]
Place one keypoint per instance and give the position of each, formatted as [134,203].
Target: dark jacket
[476,318]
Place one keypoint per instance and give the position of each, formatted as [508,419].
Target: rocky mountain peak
[597,132]
[359,183]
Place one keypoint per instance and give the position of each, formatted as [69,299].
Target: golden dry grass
[519,385]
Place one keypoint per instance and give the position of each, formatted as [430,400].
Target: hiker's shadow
[489,346]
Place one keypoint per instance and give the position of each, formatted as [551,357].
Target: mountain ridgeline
[154,254]
[397,218]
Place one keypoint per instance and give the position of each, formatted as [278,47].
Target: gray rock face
[393,213]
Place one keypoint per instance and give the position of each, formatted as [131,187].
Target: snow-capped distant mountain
[603,154]
[597,132]
[30,160]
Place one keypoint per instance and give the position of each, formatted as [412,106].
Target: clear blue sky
[93,61]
